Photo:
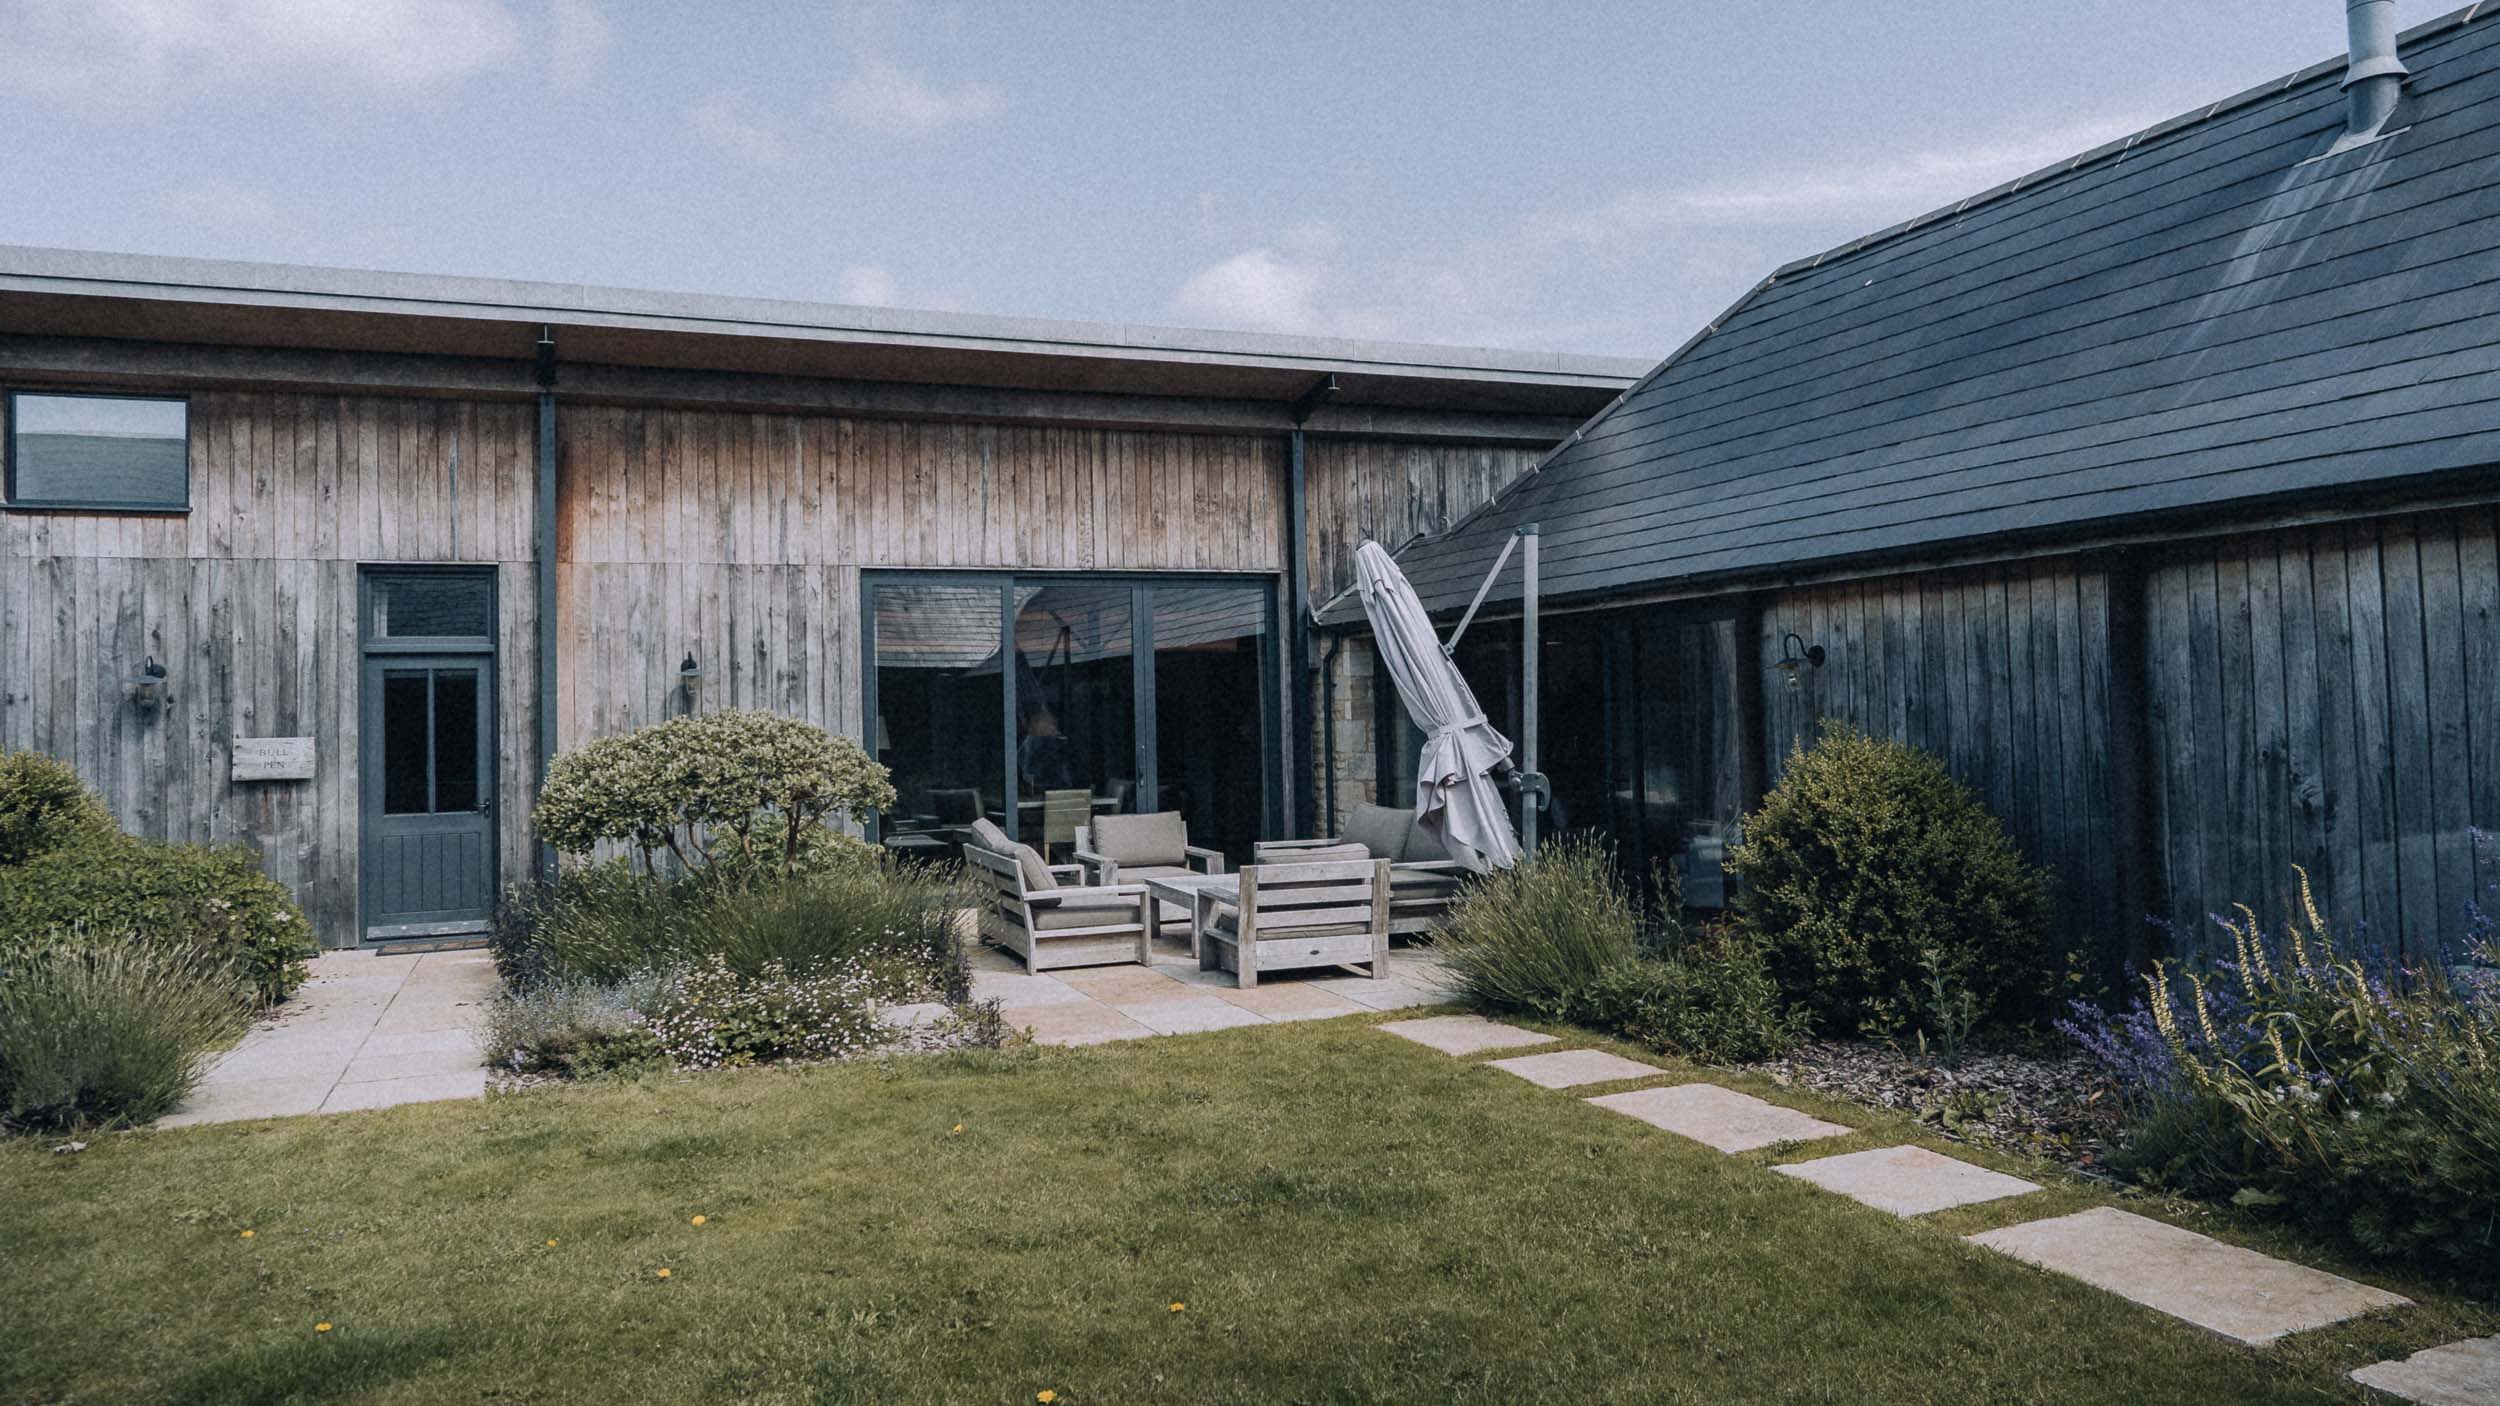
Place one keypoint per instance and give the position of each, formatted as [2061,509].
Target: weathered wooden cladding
[2330,697]
[250,601]
[2321,696]
[2002,672]
[1390,490]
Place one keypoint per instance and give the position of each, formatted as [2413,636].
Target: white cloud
[1874,192]
[868,285]
[1297,288]
[885,98]
[119,52]
[578,39]
[727,120]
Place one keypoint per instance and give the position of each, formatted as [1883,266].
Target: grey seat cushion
[1422,845]
[1379,829]
[1159,838]
[987,835]
[1038,880]
[1087,912]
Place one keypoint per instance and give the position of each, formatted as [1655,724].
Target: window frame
[12,502]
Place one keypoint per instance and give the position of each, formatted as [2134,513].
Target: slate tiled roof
[2196,316]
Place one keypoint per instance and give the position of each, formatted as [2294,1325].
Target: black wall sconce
[690,678]
[1796,655]
[147,687]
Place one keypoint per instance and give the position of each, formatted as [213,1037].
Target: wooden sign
[273,759]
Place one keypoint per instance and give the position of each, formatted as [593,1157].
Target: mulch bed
[2054,1106]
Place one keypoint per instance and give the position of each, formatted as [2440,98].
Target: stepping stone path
[2239,1294]
[1563,1069]
[1907,1181]
[2460,1374]
[1723,1118]
[2242,1295]
[1465,1034]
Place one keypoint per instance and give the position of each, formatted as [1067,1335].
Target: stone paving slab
[1017,989]
[1563,1069]
[2459,1374]
[913,1015]
[1185,1015]
[1907,1181]
[1080,1022]
[1722,1118]
[1465,1034]
[1283,1000]
[2240,1294]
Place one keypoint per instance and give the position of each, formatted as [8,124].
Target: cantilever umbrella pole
[1531,780]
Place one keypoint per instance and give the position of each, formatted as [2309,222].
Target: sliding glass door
[1042,701]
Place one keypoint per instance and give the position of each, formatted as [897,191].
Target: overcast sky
[1585,177]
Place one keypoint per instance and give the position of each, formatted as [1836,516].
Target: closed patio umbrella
[1455,797]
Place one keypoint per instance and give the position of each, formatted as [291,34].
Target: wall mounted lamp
[147,687]
[690,678]
[1796,656]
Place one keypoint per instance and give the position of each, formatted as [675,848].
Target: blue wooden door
[429,795]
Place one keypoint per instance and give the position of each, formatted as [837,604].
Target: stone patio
[1171,996]
[366,1031]
[2242,1295]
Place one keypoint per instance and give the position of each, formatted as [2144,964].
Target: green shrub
[45,807]
[607,922]
[1534,936]
[109,1033]
[1713,999]
[712,1015]
[214,901]
[2362,1102]
[1867,858]
[577,1029]
[753,783]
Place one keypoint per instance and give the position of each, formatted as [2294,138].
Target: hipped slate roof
[2192,317]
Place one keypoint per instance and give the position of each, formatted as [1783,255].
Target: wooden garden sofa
[1331,913]
[1027,910]
[1422,876]
[1118,849]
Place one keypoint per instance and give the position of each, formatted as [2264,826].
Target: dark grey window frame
[8,452]
[1272,781]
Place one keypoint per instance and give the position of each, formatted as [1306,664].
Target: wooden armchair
[1142,847]
[1333,913]
[1422,877]
[1026,910]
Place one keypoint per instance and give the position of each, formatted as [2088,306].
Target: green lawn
[1348,1217]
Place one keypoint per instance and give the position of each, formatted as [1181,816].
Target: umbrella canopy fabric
[1455,797]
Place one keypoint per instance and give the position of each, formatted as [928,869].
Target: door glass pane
[1210,711]
[435,604]
[1687,737]
[941,710]
[405,752]
[1076,713]
[455,740]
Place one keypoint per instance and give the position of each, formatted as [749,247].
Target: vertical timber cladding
[2001,671]
[739,538]
[2329,696]
[249,601]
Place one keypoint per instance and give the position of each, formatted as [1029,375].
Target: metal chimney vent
[2375,77]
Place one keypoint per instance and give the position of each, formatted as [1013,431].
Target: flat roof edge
[96,273]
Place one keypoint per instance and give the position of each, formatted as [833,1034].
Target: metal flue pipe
[2375,76]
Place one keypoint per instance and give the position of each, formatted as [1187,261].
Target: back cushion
[989,837]
[1331,854]
[1379,829]
[1423,846]
[1160,838]
[1038,880]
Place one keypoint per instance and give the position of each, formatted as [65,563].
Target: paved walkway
[1093,1005]
[2236,1293]
[365,1032]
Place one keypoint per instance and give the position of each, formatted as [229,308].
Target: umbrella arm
[1532,786]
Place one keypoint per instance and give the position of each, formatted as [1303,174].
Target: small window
[432,605]
[115,452]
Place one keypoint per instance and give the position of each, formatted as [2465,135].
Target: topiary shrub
[1713,998]
[211,900]
[1868,862]
[45,807]
[109,1033]
[753,783]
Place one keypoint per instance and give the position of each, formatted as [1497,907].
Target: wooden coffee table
[1199,893]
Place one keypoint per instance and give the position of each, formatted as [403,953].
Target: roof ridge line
[2120,146]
